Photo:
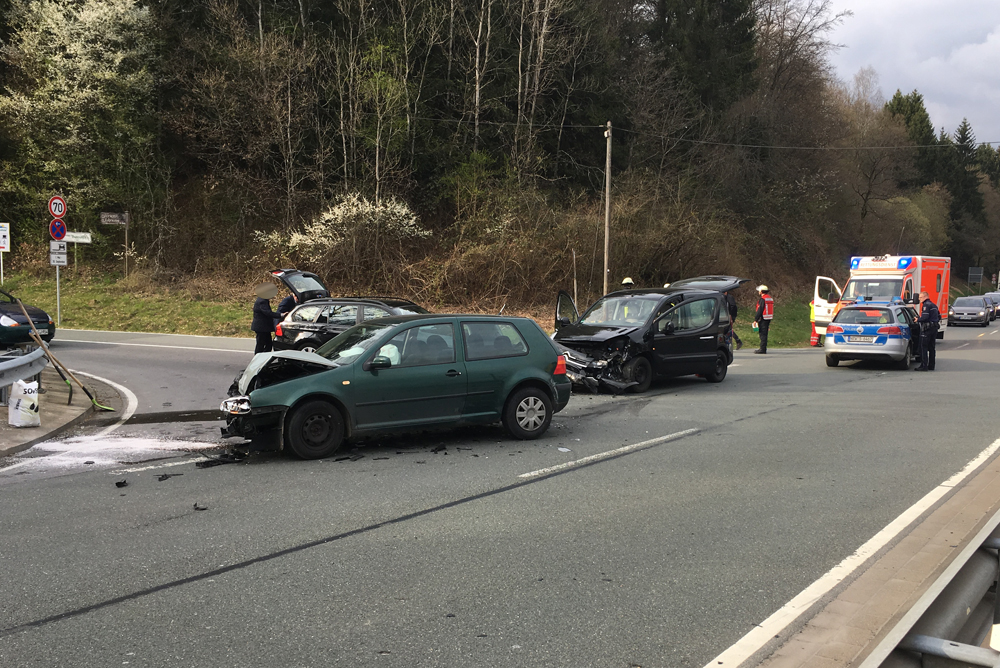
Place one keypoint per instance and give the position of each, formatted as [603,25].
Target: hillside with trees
[454,150]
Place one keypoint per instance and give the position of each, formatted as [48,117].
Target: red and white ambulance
[883,278]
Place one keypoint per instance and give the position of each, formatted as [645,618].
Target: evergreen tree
[919,129]
[710,45]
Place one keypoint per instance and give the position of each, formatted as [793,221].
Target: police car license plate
[860,339]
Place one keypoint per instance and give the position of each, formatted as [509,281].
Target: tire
[721,367]
[527,413]
[832,361]
[307,347]
[904,364]
[315,430]
[639,370]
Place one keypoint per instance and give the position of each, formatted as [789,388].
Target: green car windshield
[620,311]
[352,343]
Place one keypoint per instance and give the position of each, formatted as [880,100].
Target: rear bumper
[562,395]
[894,349]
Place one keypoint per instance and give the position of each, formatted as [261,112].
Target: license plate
[42,332]
[965,317]
[860,339]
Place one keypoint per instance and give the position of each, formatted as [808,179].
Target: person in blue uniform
[928,321]
[264,318]
[286,305]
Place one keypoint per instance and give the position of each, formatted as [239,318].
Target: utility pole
[607,208]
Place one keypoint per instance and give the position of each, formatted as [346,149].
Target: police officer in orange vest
[765,312]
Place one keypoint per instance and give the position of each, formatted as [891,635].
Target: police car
[886,332]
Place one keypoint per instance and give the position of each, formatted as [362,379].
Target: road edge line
[131,401]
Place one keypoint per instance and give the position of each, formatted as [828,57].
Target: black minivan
[629,337]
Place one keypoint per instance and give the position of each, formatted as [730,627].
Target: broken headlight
[236,406]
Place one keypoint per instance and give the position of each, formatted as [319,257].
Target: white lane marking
[961,346]
[754,641]
[732,365]
[995,331]
[131,402]
[981,335]
[158,345]
[605,455]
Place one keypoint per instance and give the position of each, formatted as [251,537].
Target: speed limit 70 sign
[57,207]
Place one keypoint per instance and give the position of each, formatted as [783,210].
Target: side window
[372,312]
[938,284]
[825,288]
[724,314]
[340,314]
[306,314]
[490,340]
[691,316]
[908,289]
[418,346]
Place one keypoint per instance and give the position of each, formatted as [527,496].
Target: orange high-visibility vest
[768,307]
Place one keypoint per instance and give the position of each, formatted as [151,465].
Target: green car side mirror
[378,362]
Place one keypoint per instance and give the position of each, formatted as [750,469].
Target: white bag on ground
[22,405]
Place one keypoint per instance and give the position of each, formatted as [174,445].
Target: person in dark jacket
[928,321]
[263,317]
[286,305]
[733,310]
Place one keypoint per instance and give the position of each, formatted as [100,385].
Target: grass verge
[135,305]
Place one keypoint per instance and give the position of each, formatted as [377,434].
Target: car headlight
[982,313]
[7,321]
[236,406]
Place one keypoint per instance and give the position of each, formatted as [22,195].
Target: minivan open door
[825,288]
[566,313]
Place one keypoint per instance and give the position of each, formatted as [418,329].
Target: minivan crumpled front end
[600,366]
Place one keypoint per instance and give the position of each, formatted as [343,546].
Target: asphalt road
[434,550]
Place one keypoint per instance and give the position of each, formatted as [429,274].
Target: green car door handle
[452,373]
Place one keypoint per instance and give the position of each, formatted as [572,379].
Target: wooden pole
[607,208]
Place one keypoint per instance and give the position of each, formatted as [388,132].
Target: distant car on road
[993,301]
[14,327]
[310,325]
[885,332]
[969,311]
[396,374]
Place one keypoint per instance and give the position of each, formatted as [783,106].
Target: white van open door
[826,294]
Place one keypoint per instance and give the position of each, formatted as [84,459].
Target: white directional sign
[57,260]
[57,247]
[77,237]
[4,237]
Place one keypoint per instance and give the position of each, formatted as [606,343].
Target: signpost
[110,218]
[57,247]
[4,245]
[975,275]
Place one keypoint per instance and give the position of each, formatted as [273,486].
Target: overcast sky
[948,50]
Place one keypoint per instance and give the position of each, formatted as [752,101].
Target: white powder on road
[100,451]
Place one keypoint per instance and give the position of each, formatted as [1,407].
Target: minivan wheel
[720,369]
[315,430]
[640,371]
[527,413]
[832,361]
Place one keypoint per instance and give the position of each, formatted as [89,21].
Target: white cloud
[948,51]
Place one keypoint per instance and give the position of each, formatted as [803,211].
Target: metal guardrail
[951,631]
[18,365]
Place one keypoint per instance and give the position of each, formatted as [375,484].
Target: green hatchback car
[398,374]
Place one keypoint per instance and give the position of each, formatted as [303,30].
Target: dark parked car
[310,325]
[400,373]
[969,311]
[14,327]
[628,338]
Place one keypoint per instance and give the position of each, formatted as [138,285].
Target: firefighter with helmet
[763,316]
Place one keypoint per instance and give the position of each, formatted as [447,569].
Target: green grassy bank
[134,305]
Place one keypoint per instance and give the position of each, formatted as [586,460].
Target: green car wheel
[315,430]
[528,413]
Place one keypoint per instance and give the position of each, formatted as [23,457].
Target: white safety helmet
[627,281]
[762,288]
[666,285]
